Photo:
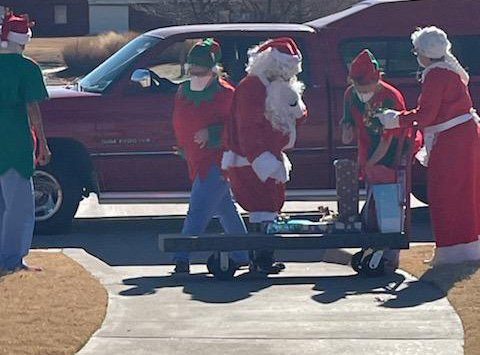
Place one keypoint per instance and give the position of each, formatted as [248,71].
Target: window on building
[60,14]
[396,59]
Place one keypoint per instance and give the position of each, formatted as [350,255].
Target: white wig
[432,42]
[270,63]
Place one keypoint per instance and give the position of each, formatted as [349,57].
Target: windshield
[99,79]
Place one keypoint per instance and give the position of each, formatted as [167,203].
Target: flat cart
[368,261]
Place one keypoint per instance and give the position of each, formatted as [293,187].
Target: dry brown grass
[53,312]
[48,51]
[86,53]
[460,282]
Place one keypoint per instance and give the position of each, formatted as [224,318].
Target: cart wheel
[356,262]
[369,271]
[213,266]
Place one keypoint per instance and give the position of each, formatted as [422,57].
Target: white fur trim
[232,160]
[272,63]
[266,165]
[282,174]
[287,59]
[448,66]
[4,44]
[457,253]
[20,38]
[259,217]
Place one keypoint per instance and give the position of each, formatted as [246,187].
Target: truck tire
[420,193]
[57,195]
[419,182]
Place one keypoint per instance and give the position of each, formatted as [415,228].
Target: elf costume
[452,148]
[205,110]
[358,114]
[266,110]
[21,84]
[376,168]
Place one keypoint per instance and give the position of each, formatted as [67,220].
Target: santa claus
[267,108]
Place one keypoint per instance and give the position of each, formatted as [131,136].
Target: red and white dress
[445,113]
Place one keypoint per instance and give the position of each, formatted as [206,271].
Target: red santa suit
[451,152]
[266,110]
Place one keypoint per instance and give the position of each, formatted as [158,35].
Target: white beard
[284,106]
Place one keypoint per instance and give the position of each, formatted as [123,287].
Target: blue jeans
[17,218]
[212,197]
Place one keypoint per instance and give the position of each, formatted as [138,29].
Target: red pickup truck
[111,132]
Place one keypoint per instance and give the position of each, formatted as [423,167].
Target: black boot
[265,262]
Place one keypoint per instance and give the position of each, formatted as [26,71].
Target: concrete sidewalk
[311,308]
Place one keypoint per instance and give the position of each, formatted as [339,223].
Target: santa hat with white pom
[16,29]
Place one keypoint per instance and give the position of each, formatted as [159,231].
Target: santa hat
[205,54]
[365,68]
[284,49]
[16,29]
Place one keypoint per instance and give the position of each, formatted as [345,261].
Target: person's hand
[44,154]
[347,134]
[389,119]
[201,137]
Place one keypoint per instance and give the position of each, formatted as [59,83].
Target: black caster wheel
[356,262]
[213,266]
[369,271]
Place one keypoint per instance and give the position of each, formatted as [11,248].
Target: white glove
[389,119]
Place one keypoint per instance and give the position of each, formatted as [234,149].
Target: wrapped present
[346,173]
[302,226]
[388,207]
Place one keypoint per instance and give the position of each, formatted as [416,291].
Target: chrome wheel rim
[48,195]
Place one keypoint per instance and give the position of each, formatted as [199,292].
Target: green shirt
[21,83]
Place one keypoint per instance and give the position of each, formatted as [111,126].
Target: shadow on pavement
[205,288]
[444,277]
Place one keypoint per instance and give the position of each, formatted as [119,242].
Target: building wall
[43,13]
[105,18]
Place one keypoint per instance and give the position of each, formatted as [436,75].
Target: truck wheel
[57,195]
[419,182]
[420,193]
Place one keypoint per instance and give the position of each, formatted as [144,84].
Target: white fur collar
[441,65]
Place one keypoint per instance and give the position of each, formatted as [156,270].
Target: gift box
[346,174]
[388,207]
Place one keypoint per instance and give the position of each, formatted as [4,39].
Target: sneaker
[182,267]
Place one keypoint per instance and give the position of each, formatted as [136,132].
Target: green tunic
[21,83]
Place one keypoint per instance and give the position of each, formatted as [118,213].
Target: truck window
[171,63]
[396,58]
[235,56]
[467,49]
[100,78]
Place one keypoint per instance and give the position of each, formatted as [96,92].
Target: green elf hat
[205,54]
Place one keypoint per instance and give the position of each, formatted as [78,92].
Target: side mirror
[142,77]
